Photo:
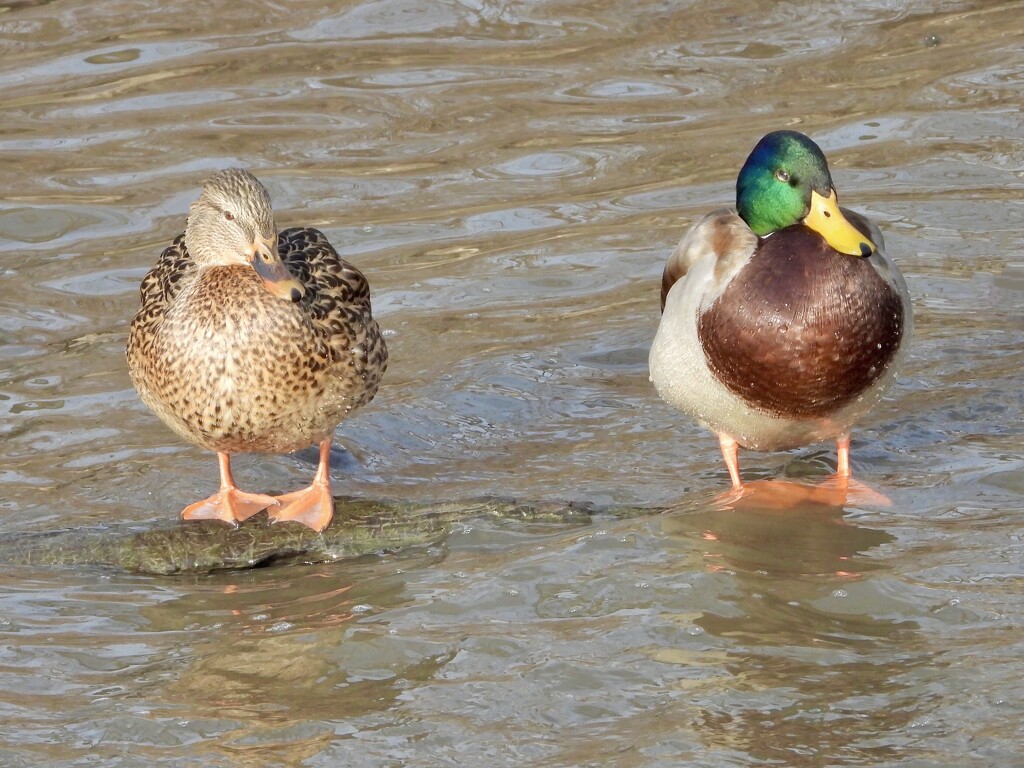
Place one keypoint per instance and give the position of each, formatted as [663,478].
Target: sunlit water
[511,177]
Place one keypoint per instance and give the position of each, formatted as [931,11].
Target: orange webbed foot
[787,495]
[313,507]
[855,492]
[229,505]
[781,495]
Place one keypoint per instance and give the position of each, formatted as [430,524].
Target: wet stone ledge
[360,527]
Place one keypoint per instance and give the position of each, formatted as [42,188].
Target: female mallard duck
[250,340]
[785,321]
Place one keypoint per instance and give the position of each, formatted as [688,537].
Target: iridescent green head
[786,181]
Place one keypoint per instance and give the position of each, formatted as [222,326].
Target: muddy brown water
[511,177]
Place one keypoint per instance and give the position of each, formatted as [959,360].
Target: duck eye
[782,175]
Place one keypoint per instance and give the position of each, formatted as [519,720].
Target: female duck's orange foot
[313,507]
[229,505]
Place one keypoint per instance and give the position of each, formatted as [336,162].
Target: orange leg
[843,457]
[228,504]
[312,506]
[730,452]
[850,489]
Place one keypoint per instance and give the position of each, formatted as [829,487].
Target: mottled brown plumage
[224,354]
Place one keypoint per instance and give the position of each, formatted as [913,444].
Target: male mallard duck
[784,322]
[250,340]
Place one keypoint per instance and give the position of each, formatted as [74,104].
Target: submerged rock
[359,527]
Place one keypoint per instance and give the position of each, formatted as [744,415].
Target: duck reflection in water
[779,527]
[277,643]
[797,609]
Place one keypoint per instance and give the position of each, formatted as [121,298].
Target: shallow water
[511,178]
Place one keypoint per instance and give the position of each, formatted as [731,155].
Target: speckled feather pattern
[233,368]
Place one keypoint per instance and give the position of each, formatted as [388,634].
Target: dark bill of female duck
[276,278]
[785,181]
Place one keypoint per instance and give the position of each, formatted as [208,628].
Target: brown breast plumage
[802,330]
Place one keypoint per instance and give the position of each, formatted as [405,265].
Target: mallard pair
[783,324]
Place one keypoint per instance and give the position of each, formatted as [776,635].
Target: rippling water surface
[511,177]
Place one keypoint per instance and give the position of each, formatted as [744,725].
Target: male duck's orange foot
[780,495]
[734,494]
[856,492]
[229,505]
[313,507]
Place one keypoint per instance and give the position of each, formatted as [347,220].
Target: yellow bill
[826,219]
